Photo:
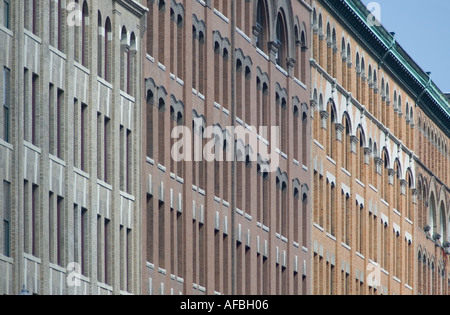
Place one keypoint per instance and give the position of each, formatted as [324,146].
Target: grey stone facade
[70,146]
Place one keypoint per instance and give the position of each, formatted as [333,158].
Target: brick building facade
[227,226]
[70,146]
[133,151]
[380,156]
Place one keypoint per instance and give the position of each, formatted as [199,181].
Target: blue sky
[422,28]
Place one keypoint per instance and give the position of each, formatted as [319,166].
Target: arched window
[281,40]
[346,142]
[360,154]
[419,274]
[432,215]
[84,35]
[329,50]
[409,197]
[321,41]
[124,59]
[331,137]
[150,122]
[132,66]
[397,187]
[304,61]
[385,176]
[108,50]
[100,43]
[55,21]
[334,49]
[298,64]
[161,31]
[262,25]
[443,223]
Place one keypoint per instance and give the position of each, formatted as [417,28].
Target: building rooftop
[396,60]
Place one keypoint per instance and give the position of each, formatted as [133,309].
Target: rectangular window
[162,235]
[56,229]
[150,227]
[7,13]
[7,219]
[30,15]
[122,159]
[100,250]
[59,123]
[128,162]
[107,251]
[6,103]
[34,104]
[107,147]
[83,242]
[26,105]
[122,259]
[34,219]
[59,231]
[100,144]
[83,136]
[80,125]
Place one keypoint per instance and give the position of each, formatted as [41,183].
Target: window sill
[303,85]
[360,183]
[6,30]
[284,72]
[81,173]
[318,144]
[346,172]
[150,160]
[57,52]
[57,160]
[32,147]
[104,184]
[385,203]
[331,237]
[331,160]
[241,32]
[105,286]
[319,227]
[32,36]
[105,83]
[32,258]
[346,246]
[6,259]
[127,196]
[82,68]
[6,145]
[127,96]
[262,53]
[150,58]
[223,17]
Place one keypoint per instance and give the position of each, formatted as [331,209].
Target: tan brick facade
[373,162]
